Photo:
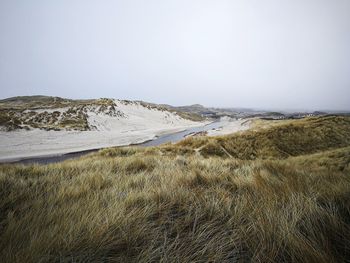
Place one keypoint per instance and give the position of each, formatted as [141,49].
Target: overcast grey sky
[237,53]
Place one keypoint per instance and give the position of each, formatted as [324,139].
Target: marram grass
[182,203]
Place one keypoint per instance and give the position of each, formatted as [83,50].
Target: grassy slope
[183,203]
[293,138]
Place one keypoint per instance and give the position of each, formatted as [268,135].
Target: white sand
[229,126]
[139,124]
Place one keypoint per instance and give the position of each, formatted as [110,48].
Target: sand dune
[137,124]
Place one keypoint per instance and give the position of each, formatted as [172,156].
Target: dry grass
[289,138]
[172,204]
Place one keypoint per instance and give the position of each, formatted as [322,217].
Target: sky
[272,54]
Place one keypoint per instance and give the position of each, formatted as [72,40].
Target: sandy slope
[138,124]
[230,125]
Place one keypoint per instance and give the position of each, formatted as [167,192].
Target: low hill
[291,138]
[54,113]
[30,99]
